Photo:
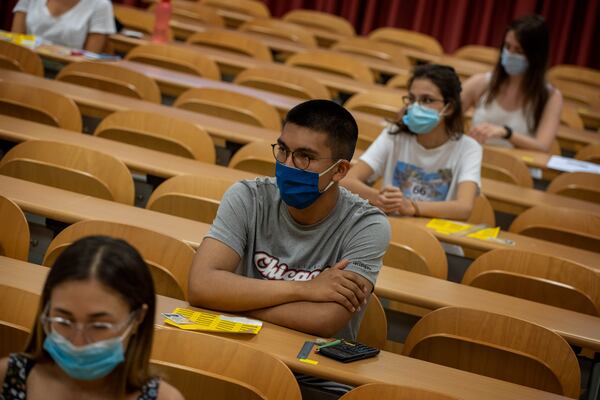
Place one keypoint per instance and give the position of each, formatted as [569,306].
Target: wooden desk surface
[136,158]
[432,293]
[477,246]
[233,63]
[506,197]
[99,104]
[70,207]
[285,343]
[513,199]
[574,139]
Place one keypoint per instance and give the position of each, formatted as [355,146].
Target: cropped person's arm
[547,128]
[459,209]
[95,42]
[323,319]
[19,24]
[214,284]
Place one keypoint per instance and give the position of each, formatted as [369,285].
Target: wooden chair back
[579,185]
[175,58]
[158,132]
[482,212]
[376,50]
[575,73]
[137,19]
[18,309]
[320,21]
[70,167]
[248,7]
[19,58]
[234,42]
[505,167]
[367,133]
[111,78]
[497,346]
[269,376]
[230,105]
[379,103]
[575,228]
[283,81]
[482,54]
[333,63]
[190,196]
[255,157]
[14,234]
[578,94]
[537,277]
[387,391]
[280,29]
[570,117]
[39,105]
[373,327]
[399,81]
[190,11]
[195,383]
[168,259]
[589,153]
[414,249]
[408,39]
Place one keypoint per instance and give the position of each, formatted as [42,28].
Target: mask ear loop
[326,171]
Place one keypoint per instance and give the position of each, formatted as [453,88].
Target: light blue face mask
[421,120]
[513,63]
[89,362]
[299,188]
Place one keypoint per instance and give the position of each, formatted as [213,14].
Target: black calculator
[348,351]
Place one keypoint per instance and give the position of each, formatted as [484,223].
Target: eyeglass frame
[114,328]
[408,101]
[293,153]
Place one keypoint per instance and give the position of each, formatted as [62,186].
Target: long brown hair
[532,33]
[118,266]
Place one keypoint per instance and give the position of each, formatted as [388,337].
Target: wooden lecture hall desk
[285,343]
[504,197]
[71,207]
[97,103]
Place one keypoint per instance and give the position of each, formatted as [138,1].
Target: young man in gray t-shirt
[296,250]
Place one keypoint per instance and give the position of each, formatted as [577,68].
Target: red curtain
[574,24]
[574,30]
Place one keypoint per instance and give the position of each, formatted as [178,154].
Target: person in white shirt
[429,168]
[514,105]
[78,24]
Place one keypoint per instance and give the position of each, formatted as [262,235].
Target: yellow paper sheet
[485,234]
[210,322]
[447,227]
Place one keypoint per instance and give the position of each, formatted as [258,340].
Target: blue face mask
[513,63]
[421,120]
[299,188]
[86,363]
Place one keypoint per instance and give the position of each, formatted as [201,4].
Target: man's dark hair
[329,118]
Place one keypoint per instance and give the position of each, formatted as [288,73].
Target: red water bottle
[161,23]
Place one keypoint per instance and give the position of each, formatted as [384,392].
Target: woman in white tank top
[514,105]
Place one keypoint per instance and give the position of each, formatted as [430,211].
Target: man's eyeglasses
[300,159]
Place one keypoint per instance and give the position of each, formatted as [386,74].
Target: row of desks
[398,285]
[508,198]
[285,343]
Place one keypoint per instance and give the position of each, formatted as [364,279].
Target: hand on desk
[485,131]
[339,286]
[391,200]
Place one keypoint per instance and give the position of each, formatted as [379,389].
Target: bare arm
[19,24]
[320,319]
[214,284]
[472,90]
[95,42]
[168,392]
[459,209]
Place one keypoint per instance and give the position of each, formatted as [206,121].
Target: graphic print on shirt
[421,185]
[271,268]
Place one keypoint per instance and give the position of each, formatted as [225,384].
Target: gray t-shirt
[255,222]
